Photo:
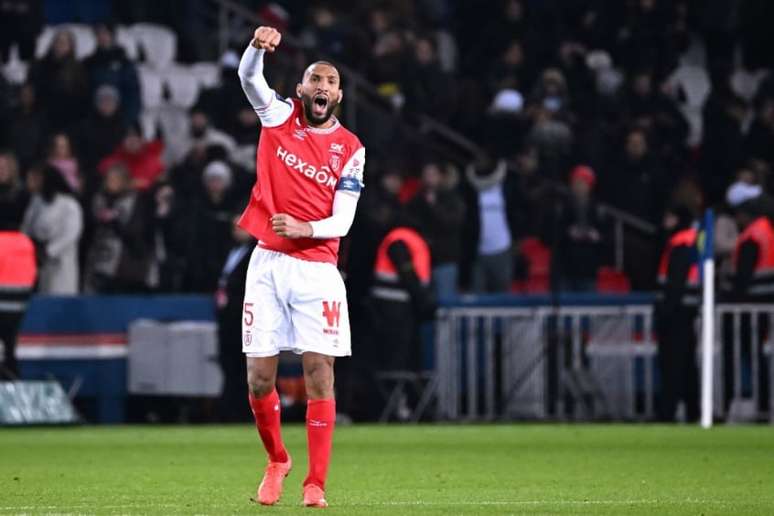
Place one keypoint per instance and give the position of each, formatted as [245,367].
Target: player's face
[320,92]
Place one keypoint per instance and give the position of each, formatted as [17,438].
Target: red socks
[266,411]
[320,420]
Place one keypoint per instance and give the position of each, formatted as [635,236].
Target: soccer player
[309,177]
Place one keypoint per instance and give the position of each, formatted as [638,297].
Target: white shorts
[293,305]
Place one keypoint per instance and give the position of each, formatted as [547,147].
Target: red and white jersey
[298,170]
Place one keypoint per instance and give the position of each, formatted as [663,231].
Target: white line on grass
[416,503]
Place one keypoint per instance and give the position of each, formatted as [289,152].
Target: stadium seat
[538,258]
[207,74]
[15,70]
[695,85]
[174,125]
[612,281]
[152,86]
[85,40]
[183,86]
[157,43]
[149,122]
[125,38]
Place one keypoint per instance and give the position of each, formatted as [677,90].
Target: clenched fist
[266,38]
[286,226]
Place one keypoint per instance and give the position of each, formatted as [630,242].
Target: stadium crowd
[639,105]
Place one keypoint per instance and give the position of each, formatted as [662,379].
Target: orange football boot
[270,489]
[314,497]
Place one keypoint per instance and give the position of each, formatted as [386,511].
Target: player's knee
[259,382]
[319,380]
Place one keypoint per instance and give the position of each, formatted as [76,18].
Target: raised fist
[266,38]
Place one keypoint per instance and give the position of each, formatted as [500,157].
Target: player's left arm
[342,214]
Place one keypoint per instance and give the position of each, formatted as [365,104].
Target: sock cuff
[269,400]
[324,410]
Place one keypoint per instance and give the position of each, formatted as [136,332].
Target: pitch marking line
[400,504]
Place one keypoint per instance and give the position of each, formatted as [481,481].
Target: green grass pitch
[445,469]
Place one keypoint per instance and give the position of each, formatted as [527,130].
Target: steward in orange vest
[401,297]
[17,279]
[753,259]
[753,282]
[675,313]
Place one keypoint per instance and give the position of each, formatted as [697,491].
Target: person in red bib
[676,310]
[18,271]
[753,282]
[309,177]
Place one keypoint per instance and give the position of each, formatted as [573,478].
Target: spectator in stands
[20,24]
[761,133]
[426,86]
[61,82]
[581,240]
[510,69]
[54,222]
[223,102]
[101,132]
[109,65]
[551,130]
[326,33]
[439,213]
[61,157]
[723,139]
[119,258]
[387,65]
[28,127]
[13,197]
[202,133]
[209,231]
[655,112]
[186,177]
[637,183]
[488,231]
[142,158]
[245,131]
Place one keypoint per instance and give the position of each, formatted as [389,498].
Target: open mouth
[320,103]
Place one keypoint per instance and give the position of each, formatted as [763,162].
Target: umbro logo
[299,134]
[338,148]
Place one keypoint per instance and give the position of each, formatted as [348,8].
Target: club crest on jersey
[338,148]
[335,162]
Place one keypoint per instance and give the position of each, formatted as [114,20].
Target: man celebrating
[309,178]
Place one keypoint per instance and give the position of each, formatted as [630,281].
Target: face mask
[552,104]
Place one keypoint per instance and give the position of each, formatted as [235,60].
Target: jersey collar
[319,130]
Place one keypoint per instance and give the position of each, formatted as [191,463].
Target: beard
[310,107]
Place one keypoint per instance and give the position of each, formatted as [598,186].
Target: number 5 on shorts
[248,310]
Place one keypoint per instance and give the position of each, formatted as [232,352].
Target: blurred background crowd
[578,109]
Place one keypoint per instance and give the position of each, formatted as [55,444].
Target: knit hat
[583,173]
[741,192]
[217,170]
[507,101]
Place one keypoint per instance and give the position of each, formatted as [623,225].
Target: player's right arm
[271,109]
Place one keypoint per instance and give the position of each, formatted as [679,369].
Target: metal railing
[589,362]
[745,372]
[545,362]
